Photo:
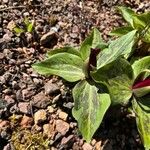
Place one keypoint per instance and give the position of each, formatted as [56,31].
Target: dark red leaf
[141,84]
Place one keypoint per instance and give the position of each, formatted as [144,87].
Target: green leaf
[117,48]
[89,109]
[65,65]
[139,92]
[18,31]
[141,22]
[142,110]
[94,40]
[118,77]
[66,49]
[29,25]
[121,31]
[127,14]
[140,65]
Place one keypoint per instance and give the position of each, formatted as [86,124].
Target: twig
[17,7]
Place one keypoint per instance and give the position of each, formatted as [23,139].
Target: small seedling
[27,27]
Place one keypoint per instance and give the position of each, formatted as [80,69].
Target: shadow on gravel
[3,142]
[119,130]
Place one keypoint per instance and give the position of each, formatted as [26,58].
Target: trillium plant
[108,74]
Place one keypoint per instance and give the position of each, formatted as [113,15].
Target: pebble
[7,38]
[41,100]
[67,140]
[4,124]
[9,100]
[7,147]
[40,116]
[62,115]
[24,107]
[98,145]
[11,25]
[49,130]
[5,1]
[87,146]
[62,127]
[49,39]
[26,122]
[2,56]
[50,109]
[51,88]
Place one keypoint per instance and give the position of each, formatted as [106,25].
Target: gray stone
[51,88]
[49,39]
[24,107]
[40,100]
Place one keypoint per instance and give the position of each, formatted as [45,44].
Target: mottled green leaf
[142,110]
[121,31]
[127,14]
[140,65]
[65,65]
[94,40]
[117,48]
[89,108]
[141,22]
[66,49]
[118,77]
[139,92]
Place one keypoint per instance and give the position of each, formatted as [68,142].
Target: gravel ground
[35,111]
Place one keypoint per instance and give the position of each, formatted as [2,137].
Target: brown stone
[26,122]
[62,127]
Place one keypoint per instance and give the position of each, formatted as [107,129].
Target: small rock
[7,147]
[7,38]
[4,124]
[62,126]
[49,130]
[40,100]
[73,35]
[87,146]
[98,145]
[49,39]
[67,140]
[26,94]
[62,115]
[24,107]
[2,56]
[40,116]
[26,122]
[14,109]
[93,142]
[11,25]
[68,105]
[56,98]
[51,88]
[9,100]
[36,128]
[50,109]
[5,1]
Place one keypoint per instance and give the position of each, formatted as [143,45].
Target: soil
[35,111]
